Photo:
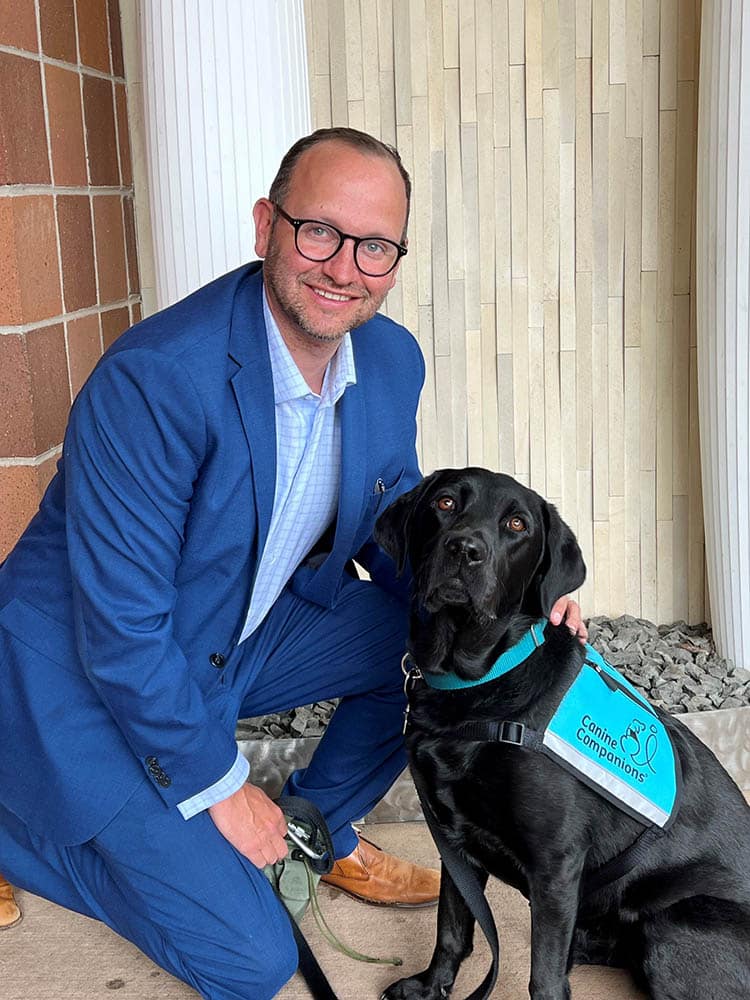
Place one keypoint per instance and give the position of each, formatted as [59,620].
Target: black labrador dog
[489,558]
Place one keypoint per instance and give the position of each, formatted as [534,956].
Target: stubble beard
[285,288]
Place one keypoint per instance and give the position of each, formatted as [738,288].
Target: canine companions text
[657,882]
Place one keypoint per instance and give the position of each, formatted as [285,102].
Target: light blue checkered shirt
[308,474]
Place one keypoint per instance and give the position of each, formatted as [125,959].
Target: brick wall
[68,265]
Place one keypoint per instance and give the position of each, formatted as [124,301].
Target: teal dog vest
[603,731]
[611,738]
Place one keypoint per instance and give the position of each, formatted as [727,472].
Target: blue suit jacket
[140,562]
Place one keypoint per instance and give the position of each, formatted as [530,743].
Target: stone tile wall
[68,264]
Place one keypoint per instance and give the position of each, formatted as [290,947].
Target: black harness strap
[624,862]
[463,876]
[500,731]
[516,733]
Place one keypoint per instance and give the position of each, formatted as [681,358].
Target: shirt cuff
[234,779]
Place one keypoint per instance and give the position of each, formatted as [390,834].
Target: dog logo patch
[611,738]
[638,743]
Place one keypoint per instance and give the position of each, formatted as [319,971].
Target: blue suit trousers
[176,888]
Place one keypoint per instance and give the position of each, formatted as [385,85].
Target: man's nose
[342,267]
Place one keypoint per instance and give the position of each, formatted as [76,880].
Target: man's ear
[393,527]
[562,569]
[263,213]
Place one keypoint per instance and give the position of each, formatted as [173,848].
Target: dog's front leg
[553,897]
[455,933]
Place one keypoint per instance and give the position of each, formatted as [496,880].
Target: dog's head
[481,541]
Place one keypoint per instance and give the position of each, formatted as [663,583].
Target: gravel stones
[309,720]
[675,666]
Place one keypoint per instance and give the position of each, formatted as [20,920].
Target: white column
[225,95]
[723,287]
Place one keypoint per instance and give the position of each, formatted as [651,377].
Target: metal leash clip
[307,834]
[300,837]
[412,674]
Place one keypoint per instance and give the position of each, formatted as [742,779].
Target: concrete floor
[56,955]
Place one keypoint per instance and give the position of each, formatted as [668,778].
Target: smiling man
[191,564]
[320,281]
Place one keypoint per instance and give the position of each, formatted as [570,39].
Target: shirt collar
[288,383]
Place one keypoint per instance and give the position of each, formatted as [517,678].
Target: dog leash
[335,942]
[310,844]
[309,967]
[467,883]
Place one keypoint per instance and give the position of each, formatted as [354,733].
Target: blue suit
[121,679]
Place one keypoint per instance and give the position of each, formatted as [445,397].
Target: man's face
[357,193]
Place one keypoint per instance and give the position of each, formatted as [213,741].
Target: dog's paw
[414,988]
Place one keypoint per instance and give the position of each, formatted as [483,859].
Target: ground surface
[56,955]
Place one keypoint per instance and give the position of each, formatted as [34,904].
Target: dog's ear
[562,568]
[393,527]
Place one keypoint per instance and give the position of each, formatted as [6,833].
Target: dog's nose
[471,547]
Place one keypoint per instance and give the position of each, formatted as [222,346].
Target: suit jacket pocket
[383,493]
[40,633]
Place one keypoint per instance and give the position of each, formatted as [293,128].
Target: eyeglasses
[374,256]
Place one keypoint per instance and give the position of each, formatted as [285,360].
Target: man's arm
[133,451]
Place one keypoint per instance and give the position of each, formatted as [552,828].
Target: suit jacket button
[163,780]
[217,660]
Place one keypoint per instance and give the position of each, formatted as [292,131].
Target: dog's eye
[446,503]
[516,523]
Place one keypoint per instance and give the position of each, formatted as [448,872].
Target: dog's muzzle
[461,572]
[467,546]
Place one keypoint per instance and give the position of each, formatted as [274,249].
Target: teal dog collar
[510,659]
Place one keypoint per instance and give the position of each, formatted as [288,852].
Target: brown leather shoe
[373,876]
[10,914]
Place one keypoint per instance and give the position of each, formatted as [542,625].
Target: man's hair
[352,137]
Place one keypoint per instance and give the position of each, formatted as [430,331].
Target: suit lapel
[323,584]
[252,383]
[353,468]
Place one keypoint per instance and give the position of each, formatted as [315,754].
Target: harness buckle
[511,732]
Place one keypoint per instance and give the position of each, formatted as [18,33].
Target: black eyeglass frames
[375,256]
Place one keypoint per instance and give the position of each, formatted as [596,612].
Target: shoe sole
[380,902]
[14,923]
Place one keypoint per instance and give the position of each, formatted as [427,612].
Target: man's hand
[568,611]
[253,824]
